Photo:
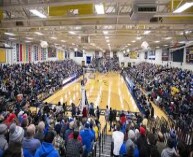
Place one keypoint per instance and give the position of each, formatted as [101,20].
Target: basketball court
[104,89]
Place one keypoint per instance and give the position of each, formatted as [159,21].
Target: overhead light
[8,33]
[38,33]
[99,8]
[37,13]
[157,41]
[165,45]
[168,38]
[54,38]
[157,47]
[106,37]
[146,32]
[144,45]
[133,41]
[188,32]
[71,32]
[63,41]
[138,38]
[73,44]
[183,7]
[79,37]
[107,40]
[27,41]
[12,38]
[182,42]
[109,44]
[128,44]
[105,32]
[29,38]
[75,49]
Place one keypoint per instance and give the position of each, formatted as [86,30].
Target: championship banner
[17,52]
[189,55]
[39,53]
[133,55]
[23,53]
[20,52]
[29,49]
[165,54]
[14,53]
[27,53]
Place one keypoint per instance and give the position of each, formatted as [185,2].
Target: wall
[79,60]
[158,60]
[127,60]
[25,53]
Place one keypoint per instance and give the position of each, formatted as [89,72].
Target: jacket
[168,152]
[46,150]
[87,138]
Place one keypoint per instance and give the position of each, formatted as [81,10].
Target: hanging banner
[189,55]
[20,52]
[17,52]
[133,55]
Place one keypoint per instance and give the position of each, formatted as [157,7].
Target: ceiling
[119,28]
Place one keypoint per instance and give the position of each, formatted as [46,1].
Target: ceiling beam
[35,3]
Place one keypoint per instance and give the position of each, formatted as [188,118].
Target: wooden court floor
[105,89]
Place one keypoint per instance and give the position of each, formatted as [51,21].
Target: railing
[102,137]
[161,124]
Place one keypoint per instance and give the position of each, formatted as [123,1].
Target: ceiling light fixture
[138,38]
[105,32]
[128,44]
[183,7]
[71,32]
[133,41]
[188,32]
[10,34]
[63,41]
[157,47]
[182,42]
[165,45]
[106,37]
[107,40]
[99,9]
[12,38]
[38,33]
[157,41]
[37,13]
[146,32]
[168,38]
[29,38]
[54,38]
[27,41]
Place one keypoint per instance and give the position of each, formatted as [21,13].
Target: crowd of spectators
[134,138]
[105,64]
[170,88]
[30,80]
[49,133]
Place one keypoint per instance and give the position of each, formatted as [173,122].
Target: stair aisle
[106,147]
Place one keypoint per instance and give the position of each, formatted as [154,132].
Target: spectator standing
[47,149]
[169,151]
[87,139]
[40,131]
[3,140]
[58,141]
[142,143]
[117,140]
[74,146]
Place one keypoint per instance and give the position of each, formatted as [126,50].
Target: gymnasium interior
[96,78]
